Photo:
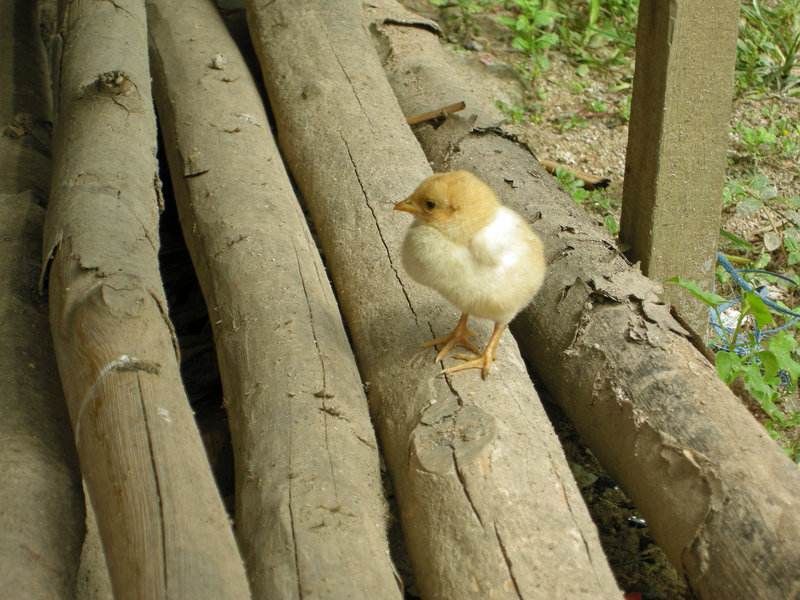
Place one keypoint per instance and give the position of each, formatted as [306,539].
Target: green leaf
[772,241]
[521,44]
[772,410]
[754,381]
[762,261]
[611,224]
[752,303]
[748,206]
[579,194]
[782,345]
[769,366]
[728,365]
[737,241]
[763,186]
[709,298]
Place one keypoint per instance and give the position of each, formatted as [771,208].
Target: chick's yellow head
[457,203]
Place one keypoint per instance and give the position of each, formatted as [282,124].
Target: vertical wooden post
[682,89]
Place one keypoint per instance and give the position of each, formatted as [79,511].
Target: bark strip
[310,514]
[488,505]
[162,524]
[718,494]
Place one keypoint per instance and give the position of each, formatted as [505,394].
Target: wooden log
[93,580]
[163,527]
[717,493]
[488,505]
[41,501]
[310,514]
[677,141]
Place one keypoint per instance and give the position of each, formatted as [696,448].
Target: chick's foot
[458,337]
[483,361]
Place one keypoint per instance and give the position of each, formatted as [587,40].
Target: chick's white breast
[493,276]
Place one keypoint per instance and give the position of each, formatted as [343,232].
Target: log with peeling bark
[310,515]
[717,493]
[488,504]
[41,501]
[163,527]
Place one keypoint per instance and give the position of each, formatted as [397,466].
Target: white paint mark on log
[122,363]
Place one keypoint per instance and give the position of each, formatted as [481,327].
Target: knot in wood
[114,82]
[123,295]
[465,435]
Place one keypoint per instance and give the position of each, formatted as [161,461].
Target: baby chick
[481,256]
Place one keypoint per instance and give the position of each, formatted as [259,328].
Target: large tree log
[163,527]
[310,514]
[41,501]
[488,505]
[718,495]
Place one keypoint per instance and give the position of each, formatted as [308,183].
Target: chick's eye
[430,204]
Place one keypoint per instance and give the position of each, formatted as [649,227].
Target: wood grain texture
[488,505]
[310,514]
[164,530]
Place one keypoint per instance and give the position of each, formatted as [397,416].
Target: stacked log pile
[316,351]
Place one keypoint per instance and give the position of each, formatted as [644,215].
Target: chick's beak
[407,206]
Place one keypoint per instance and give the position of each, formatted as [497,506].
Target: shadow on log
[41,501]
[310,515]
[488,504]
[163,527]
[718,494]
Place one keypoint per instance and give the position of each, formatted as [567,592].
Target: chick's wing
[500,242]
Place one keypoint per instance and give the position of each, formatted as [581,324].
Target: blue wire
[761,292]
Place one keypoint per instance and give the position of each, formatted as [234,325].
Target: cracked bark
[41,500]
[353,157]
[716,492]
[284,358]
[136,438]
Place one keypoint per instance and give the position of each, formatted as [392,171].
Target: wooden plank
[675,164]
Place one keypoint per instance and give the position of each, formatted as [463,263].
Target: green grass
[595,201]
[767,49]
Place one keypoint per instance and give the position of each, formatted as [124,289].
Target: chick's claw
[458,337]
[483,361]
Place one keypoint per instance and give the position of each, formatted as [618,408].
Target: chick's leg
[485,360]
[459,336]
